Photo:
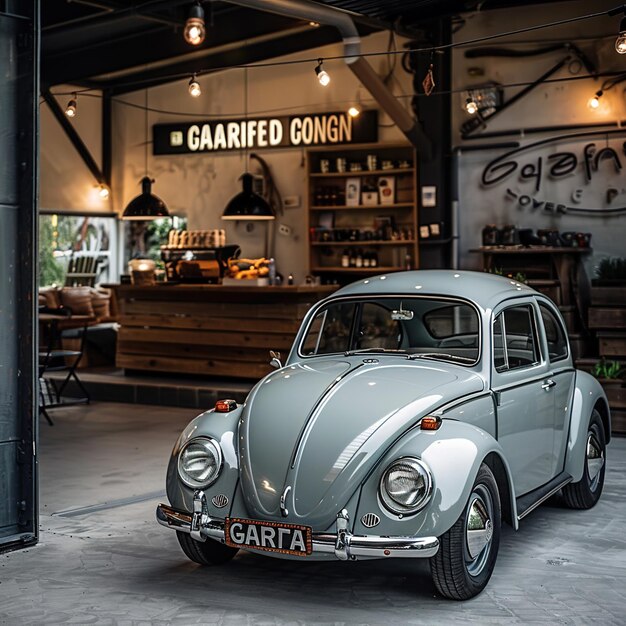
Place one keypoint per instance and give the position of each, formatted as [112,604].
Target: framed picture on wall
[353,191]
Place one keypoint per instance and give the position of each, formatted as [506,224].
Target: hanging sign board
[261,133]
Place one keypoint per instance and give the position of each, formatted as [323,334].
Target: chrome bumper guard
[344,545]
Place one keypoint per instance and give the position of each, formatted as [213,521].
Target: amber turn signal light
[430,422]
[225,406]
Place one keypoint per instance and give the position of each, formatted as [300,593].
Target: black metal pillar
[19,115]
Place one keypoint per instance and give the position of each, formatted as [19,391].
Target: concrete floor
[113,564]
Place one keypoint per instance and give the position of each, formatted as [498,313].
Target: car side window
[515,339]
[330,330]
[555,334]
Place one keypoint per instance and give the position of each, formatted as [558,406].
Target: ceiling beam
[239,55]
[74,137]
[139,48]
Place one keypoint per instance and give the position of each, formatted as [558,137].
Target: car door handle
[547,384]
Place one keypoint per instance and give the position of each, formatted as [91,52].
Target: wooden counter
[209,329]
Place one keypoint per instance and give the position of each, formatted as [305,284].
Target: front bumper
[343,544]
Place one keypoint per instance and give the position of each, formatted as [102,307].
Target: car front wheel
[207,552]
[467,552]
[586,492]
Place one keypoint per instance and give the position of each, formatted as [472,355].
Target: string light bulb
[470,106]
[594,102]
[194,88]
[103,191]
[70,109]
[355,106]
[620,42]
[195,30]
[322,74]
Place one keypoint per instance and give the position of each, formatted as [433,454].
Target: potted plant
[610,375]
[609,285]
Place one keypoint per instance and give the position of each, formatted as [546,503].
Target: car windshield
[419,327]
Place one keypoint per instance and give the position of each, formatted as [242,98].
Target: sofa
[83,307]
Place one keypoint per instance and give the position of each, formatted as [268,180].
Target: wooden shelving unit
[329,222]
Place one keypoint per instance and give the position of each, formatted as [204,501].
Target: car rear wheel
[207,552]
[586,492]
[467,552]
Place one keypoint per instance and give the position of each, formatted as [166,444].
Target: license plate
[269,536]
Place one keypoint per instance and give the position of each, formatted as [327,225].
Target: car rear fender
[588,395]
[223,428]
[454,454]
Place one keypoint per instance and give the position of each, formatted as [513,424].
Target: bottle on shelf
[359,258]
[374,259]
[345,258]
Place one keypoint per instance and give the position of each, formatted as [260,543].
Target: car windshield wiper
[441,356]
[366,350]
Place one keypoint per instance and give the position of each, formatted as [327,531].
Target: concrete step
[112,385]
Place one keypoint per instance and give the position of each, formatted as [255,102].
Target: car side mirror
[275,361]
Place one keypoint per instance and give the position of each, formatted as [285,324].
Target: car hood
[321,425]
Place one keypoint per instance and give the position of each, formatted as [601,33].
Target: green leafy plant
[607,369]
[611,268]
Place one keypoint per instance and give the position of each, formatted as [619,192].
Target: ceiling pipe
[303,10]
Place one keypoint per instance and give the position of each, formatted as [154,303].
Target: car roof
[484,289]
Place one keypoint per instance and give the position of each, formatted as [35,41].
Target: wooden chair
[84,268]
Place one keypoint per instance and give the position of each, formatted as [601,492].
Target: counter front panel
[209,329]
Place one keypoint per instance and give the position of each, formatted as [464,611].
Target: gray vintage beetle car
[414,412]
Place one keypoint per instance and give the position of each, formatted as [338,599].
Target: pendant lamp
[247,205]
[146,206]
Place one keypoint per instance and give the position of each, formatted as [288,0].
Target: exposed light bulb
[470,106]
[70,109]
[103,191]
[594,102]
[194,26]
[194,88]
[314,24]
[322,74]
[354,111]
[620,42]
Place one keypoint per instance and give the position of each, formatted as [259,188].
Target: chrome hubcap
[479,529]
[595,460]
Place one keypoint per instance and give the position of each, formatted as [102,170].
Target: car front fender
[454,454]
[223,428]
[588,394]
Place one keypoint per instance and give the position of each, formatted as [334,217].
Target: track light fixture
[594,102]
[194,26]
[194,88]
[470,105]
[322,74]
[70,109]
[620,42]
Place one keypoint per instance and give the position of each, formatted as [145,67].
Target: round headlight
[199,462]
[406,486]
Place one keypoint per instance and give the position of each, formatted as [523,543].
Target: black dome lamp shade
[146,206]
[247,205]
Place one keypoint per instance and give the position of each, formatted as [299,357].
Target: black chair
[53,357]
